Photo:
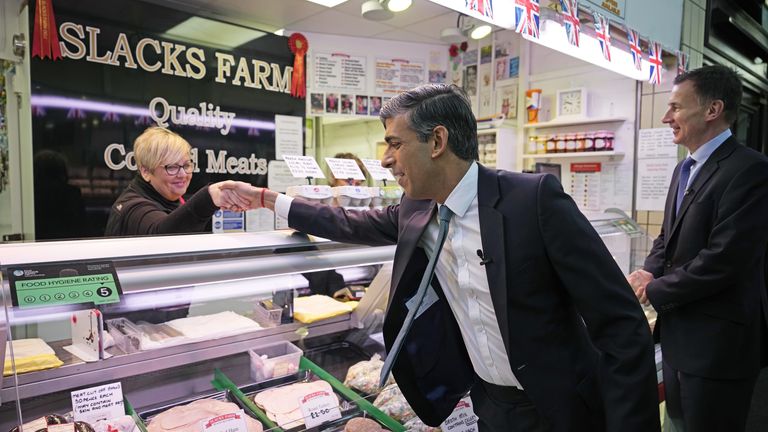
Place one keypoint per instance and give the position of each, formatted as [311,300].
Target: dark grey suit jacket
[708,261]
[576,337]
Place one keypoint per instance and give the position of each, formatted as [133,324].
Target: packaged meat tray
[185,416]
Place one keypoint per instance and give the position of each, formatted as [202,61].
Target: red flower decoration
[464,46]
[453,51]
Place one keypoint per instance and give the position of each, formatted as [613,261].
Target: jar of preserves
[580,141]
[552,143]
[570,143]
[560,144]
[543,145]
[531,147]
[609,141]
[600,137]
[589,141]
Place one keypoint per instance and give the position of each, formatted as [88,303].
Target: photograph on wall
[503,49]
[361,105]
[437,76]
[486,54]
[506,101]
[331,103]
[485,108]
[502,69]
[375,107]
[485,73]
[316,103]
[514,67]
[346,104]
[470,57]
[470,80]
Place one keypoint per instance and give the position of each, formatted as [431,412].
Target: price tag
[345,168]
[232,422]
[377,171]
[34,425]
[318,408]
[303,166]
[46,285]
[65,427]
[462,419]
[98,403]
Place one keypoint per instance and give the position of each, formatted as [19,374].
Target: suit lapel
[703,176]
[669,207]
[492,236]
[407,241]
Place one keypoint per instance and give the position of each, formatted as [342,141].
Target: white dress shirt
[464,280]
[465,283]
[703,153]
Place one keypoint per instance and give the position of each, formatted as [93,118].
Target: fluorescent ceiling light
[399,5]
[328,3]
[480,32]
[210,32]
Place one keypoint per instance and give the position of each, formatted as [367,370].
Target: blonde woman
[153,203]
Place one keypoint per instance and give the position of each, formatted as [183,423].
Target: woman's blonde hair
[157,145]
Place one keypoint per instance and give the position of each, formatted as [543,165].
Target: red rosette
[45,37]
[299,45]
[453,51]
[464,46]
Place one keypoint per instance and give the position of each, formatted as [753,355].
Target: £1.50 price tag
[319,407]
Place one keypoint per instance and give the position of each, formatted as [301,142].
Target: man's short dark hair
[716,83]
[432,105]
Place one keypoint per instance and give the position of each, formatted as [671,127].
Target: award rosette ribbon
[299,45]
[45,41]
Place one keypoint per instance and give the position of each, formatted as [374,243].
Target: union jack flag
[682,62]
[571,20]
[634,47]
[603,32]
[527,17]
[654,58]
[483,7]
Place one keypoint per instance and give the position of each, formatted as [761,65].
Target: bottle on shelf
[552,144]
[580,141]
[531,147]
[609,140]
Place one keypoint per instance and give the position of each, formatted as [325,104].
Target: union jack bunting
[571,20]
[527,17]
[634,47]
[484,7]
[603,33]
[654,58]
[682,62]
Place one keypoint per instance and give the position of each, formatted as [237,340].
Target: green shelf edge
[222,382]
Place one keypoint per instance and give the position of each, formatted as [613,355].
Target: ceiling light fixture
[399,5]
[465,27]
[374,10]
[328,3]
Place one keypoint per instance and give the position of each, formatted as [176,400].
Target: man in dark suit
[528,309]
[704,274]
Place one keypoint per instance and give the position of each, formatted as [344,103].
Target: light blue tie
[682,185]
[445,216]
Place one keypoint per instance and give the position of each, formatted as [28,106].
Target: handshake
[639,280]
[240,196]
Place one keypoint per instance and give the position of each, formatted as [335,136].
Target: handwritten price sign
[318,408]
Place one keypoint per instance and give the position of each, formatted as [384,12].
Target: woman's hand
[231,195]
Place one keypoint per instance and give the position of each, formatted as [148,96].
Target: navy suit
[549,275]
[708,263]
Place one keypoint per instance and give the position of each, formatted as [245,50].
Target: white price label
[232,422]
[65,427]
[462,419]
[377,171]
[303,166]
[345,168]
[34,425]
[319,407]
[98,403]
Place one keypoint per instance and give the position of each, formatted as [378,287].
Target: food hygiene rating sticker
[47,285]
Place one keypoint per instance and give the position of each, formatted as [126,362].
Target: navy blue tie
[682,185]
[445,216]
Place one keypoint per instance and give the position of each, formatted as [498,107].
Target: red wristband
[262,198]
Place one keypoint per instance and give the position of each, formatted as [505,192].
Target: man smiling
[528,309]
[704,274]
